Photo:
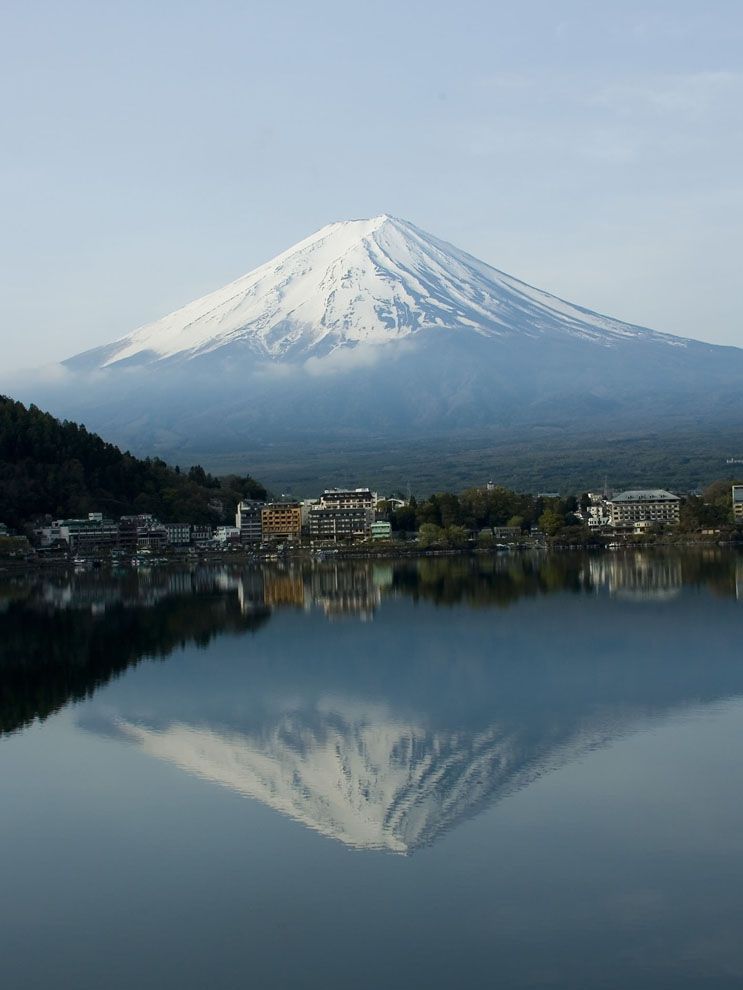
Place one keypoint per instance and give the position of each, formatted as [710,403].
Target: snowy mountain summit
[375,332]
[357,282]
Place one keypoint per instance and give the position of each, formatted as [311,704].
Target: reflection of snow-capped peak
[361,776]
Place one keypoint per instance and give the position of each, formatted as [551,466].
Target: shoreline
[41,566]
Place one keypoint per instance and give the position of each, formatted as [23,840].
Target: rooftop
[646,495]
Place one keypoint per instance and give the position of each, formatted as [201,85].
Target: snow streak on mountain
[361,282]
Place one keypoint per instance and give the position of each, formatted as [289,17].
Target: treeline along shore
[66,492]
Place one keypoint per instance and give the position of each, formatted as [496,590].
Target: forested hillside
[60,469]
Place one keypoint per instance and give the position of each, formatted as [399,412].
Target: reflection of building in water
[144,587]
[283,587]
[348,589]
[226,580]
[637,576]
[739,580]
[250,591]
[382,575]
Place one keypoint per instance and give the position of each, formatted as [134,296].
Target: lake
[515,771]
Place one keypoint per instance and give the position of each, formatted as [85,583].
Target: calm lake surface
[513,772]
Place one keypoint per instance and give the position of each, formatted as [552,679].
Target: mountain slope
[361,282]
[372,331]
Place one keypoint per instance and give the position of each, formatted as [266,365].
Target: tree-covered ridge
[59,468]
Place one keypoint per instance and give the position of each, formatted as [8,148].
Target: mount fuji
[355,283]
[373,332]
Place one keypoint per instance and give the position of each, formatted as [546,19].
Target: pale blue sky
[153,151]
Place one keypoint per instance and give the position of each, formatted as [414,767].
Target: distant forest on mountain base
[541,459]
[48,466]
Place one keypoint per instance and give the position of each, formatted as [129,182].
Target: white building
[738,502]
[348,498]
[177,534]
[345,513]
[93,533]
[654,505]
[598,515]
[227,534]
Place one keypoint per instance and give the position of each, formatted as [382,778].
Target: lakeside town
[362,520]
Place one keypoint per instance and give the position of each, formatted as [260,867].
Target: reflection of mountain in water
[361,776]
[382,770]
[386,737]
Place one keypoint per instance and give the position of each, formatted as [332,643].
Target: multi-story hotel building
[738,503]
[281,520]
[348,498]
[648,506]
[178,534]
[94,534]
[248,519]
[334,524]
[342,513]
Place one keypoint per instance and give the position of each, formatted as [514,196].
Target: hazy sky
[151,152]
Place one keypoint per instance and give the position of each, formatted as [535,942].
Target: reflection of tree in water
[488,581]
[50,657]
[63,638]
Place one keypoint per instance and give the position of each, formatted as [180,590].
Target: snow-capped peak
[353,282]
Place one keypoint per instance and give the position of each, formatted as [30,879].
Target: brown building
[281,520]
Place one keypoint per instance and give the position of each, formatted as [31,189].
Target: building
[647,506]
[152,538]
[507,534]
[177,534]
[201,533]
[337,523]
[598,515]
[248,520]
[227,534]
[348,498]
[381,530]
[738,503]
[131,528]
[4,530]
[281,520]
[342,513]
[92,535]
